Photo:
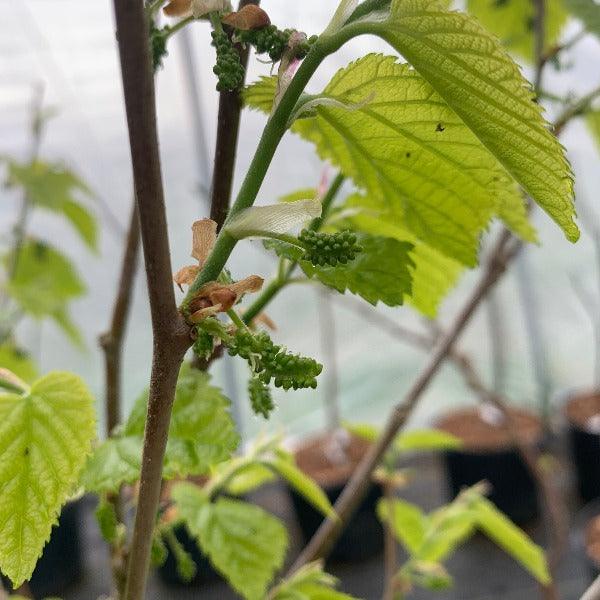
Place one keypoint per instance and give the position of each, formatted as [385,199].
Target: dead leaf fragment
[248,18]
[178,8]
[204,236]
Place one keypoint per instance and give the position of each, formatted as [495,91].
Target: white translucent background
[69,45]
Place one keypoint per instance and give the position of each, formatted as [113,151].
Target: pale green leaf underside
[588,11]
[512,21]
[472,72]
[421,166]
[45,437]
[245,543]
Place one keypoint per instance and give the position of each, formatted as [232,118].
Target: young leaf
[44,282]
[303,484]
[45,436]
[380,272]
[511,539]
[587,11]
[469,69]
[245,543]
[17,361]
[249,478]
[408,522]
[201,435]
[426,439]
[53,187]
[512,21]
[309,583]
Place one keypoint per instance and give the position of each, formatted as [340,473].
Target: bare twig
[170,333]
[228,125]
[112,340]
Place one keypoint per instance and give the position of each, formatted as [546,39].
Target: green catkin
[272,41]
[158,44]
[329,249]
[229,69]
[260,397]
[271,363]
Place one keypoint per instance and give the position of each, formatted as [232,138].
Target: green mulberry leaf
[381,272]
[469,69]
[45,436]
[245,543]
[422,167]
[53,187]
[44,282]
[512,21]
[587,11]
[16,360]
[309,583]
[201,434]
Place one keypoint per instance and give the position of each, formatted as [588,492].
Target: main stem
[170,333]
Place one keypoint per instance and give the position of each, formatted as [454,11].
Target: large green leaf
[380,272]
[511,539]
[588,11]
[513,21]
[423,168]
[54,187]
[44,282]
[201,434]
[245,543]
[16,360]
[45,436]
[309,583]
[470,70]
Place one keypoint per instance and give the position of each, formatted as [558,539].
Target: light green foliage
[587,11]
[469,69]
[593,122]
[17,361]
[513,22]
[309,583]
[302,194]
[54,187]
[420,164]
[430,539]
[434,273]
[45,436]
[511,539]
[44,283]
[201,435]
[381,272]
[284,466]
[108,524]
[426,439]
[245,543]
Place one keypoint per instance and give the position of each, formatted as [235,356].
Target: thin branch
[539,40]
[112,340]
[228,125]
[170,333]
[577,108]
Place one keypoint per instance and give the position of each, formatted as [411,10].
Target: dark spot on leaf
[26,452]
[439,127]
[408,155]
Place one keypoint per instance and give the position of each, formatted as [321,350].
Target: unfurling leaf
[45,436]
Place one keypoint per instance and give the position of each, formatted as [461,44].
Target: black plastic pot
[204,570]
[60,565]
[513,488]
[585,449]
[363,536]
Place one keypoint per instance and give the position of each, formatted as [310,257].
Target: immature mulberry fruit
[322,249]
[229,69]
[260,397]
